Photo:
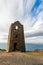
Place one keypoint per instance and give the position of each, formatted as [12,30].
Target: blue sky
[28,12]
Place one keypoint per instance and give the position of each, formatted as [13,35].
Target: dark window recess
[16,36]
[15,44]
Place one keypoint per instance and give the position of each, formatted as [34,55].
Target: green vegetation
[2,50]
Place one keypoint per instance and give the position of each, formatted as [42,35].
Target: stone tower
[16,37]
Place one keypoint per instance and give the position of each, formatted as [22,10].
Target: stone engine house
[16,40]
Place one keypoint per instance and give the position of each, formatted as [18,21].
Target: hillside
[20,58]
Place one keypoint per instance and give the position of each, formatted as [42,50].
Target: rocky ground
[20,58]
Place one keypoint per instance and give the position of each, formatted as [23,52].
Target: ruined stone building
[16,37]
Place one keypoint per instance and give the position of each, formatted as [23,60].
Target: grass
[21,58]
[35,53]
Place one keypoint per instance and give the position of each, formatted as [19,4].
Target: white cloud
[15,8]
[29,4]
[39,21]
[34,40]
[11,10]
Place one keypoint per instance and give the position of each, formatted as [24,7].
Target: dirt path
[17,58]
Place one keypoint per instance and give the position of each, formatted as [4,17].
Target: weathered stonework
[16,37]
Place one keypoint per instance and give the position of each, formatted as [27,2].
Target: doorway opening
[15,46]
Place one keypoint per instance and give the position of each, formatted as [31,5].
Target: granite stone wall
[16,40]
